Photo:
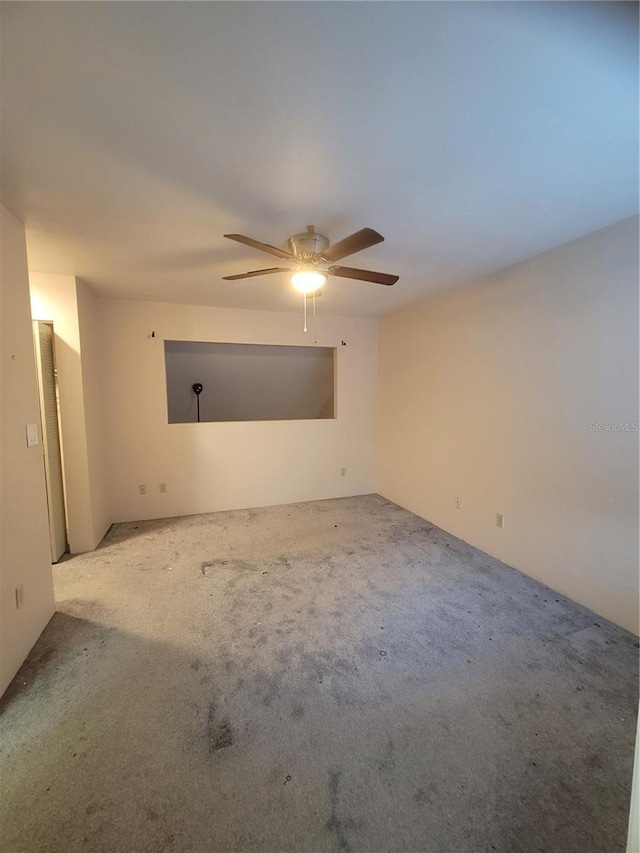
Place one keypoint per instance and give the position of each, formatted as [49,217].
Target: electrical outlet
[142,489]
[20,596]
[162,487]
[499,519]
[343,472]
[458,503]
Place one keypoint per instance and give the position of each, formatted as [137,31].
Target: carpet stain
[335,824]
[219,731]
[208,567]
[94,808]
[388,761]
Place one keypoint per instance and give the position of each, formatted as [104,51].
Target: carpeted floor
[331,676]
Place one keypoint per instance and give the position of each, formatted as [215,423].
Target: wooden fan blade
[352,244]
[251,274]
[264,247]
[364,275]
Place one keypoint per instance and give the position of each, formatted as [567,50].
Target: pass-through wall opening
[248,382]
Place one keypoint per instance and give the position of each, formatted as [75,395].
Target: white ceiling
[472,135]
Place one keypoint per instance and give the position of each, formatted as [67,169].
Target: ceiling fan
[313,257]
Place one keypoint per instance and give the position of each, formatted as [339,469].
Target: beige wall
[216,466]
[633,840]
[489,392]
[25,557]
[90,326]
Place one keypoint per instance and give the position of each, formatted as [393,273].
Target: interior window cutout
[248,382]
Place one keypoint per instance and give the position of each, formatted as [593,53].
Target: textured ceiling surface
[472,135]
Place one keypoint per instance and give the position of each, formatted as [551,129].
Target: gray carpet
[330,676]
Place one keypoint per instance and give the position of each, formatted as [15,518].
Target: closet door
[43,336]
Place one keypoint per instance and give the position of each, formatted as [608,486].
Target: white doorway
[50,427]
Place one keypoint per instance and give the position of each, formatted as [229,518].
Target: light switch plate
[32,435]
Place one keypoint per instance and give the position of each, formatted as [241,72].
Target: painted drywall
[25,558]
[248,382]
[633,841]
[89,324]
[217,466]
[508,393]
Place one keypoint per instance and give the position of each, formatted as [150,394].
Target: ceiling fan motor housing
[308,246]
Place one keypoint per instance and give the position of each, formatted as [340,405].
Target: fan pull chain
[304,301]
[315,320]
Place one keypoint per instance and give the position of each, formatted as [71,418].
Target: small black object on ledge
[197,390]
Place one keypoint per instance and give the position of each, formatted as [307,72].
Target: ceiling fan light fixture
[308,281]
